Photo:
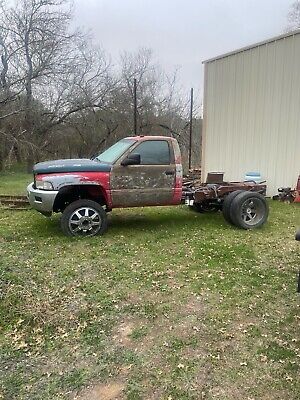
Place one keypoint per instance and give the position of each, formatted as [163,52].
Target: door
[149,183]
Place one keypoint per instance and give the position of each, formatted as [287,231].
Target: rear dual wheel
[246,210]
[227,205]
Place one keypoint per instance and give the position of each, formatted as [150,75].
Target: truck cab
[148,172]
[135,171]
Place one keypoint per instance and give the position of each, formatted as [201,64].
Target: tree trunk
[17,154]
[30,161]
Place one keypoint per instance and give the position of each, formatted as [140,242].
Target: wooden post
[191,129]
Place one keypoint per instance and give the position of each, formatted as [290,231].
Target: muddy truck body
[135,172]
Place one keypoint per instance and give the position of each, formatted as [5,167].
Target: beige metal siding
[252,113]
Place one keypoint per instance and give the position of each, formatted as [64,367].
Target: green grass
[14,182]
[168,304]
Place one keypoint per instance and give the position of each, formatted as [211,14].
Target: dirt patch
[110,391]
[123,332]
[184,322]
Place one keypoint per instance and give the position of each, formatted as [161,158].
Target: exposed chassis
[213,194]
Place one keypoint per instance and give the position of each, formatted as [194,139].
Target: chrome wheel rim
[85,221]
[253,211]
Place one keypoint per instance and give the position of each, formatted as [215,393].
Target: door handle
[169,172]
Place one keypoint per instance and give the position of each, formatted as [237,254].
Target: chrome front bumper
[41,200]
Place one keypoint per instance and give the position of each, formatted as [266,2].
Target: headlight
[44,185]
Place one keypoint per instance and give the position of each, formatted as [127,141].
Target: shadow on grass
[45,227]
[122,222]
[168,220]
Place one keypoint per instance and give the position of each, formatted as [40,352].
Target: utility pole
[191,128]
[134,108]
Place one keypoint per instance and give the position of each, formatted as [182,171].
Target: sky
[181,33]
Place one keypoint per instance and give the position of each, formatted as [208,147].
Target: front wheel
[83,218]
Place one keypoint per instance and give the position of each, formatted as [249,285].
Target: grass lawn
[14,182]
[168,304]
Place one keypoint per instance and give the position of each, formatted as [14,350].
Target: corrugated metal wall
[252,113]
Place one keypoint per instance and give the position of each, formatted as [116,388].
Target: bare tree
[56,71]
[60,96]
[294,16]
[158,96]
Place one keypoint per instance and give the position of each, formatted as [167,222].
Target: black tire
[249,210]
[227,204]
[83,218]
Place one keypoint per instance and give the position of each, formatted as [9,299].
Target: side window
[154,152]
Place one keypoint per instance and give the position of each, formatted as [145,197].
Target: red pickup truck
[136,171]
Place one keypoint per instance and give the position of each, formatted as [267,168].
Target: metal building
[252,112]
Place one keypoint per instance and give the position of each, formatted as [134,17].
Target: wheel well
[68,194]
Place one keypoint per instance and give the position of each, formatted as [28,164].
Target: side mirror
[132,159]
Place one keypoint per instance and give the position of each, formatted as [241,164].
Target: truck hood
[71,165]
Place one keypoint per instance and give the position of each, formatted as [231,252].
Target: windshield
[115,151]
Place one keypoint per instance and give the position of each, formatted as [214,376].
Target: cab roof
[149,137]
